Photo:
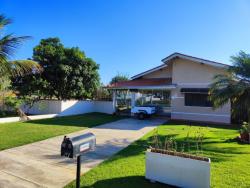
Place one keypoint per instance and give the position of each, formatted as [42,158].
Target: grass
[20,133]
[229,167]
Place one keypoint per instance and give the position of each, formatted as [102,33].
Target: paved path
[40,165]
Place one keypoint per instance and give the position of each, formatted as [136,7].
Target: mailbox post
[76,146]
[78,171]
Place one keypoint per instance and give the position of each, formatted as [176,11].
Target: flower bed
[178,169]
[179,154]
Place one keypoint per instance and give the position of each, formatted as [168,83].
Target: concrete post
[114,100]
[133,99]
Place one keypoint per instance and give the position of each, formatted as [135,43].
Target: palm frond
[241,65]
[225,88]
[9,44]
[4,68]
[23,67]
[4,21]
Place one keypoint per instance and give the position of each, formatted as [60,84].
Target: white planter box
[177,171]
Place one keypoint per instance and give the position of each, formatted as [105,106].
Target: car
[143,111]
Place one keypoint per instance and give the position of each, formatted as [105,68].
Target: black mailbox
[75,146]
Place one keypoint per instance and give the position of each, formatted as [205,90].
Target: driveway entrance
[40,165]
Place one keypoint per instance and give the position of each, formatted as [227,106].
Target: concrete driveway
[40,165]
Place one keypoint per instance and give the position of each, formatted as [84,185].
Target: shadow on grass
[126,182]
[84,120]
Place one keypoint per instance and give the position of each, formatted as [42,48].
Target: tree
[119,77]
[67,73]
[234,86]
[103,93]
[4,92]
[11,69]
[8,46]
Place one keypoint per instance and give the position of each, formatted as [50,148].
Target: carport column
[114,100]
[133,99]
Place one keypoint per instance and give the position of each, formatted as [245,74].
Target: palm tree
[11,69]
[234,86]
[8,46]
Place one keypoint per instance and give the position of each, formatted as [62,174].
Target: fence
[69,107]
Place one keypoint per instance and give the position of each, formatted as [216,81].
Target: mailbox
[75,146]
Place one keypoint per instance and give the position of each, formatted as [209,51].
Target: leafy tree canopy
[67,73]
[119,77]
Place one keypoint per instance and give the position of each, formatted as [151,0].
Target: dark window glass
[197,99]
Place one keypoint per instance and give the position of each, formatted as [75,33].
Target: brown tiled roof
[142,82]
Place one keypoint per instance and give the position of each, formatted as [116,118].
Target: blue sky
[131,36]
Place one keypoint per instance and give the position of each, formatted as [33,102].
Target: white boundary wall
[44,107]
[33,117]
[9,119]
[70,107]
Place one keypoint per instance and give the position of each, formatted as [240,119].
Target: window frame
[205,104]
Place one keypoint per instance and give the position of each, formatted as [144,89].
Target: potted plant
[176,168]
[245,132]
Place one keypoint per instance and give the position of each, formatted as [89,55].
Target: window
[197,99]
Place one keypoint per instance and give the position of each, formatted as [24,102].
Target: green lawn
[20,133]
[229,167]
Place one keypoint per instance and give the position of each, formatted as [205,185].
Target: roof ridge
[178,53]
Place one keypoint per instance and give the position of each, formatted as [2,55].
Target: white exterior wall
[103,107]
[44,107]
[76,107]
[187,74]
[165,72]
[70,107]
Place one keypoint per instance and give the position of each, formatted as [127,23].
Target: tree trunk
[22,115]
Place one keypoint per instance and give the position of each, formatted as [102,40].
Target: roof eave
[170,86]
[149,71]
[195,59]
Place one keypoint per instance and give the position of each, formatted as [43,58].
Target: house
[178,88]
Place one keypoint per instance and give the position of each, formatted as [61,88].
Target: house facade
[178,88]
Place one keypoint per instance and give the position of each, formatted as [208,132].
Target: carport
[140,92]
